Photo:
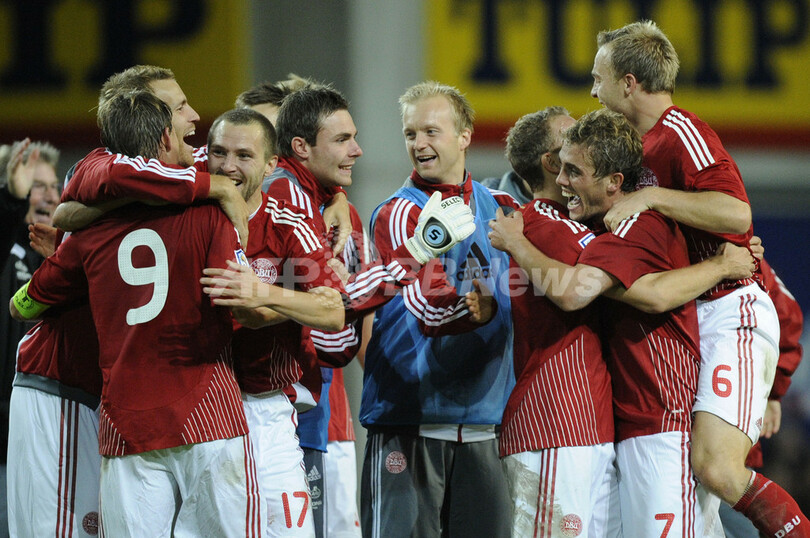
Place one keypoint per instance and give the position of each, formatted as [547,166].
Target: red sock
[772,510]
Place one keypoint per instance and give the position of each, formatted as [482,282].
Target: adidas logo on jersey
[475,266]
[314,475]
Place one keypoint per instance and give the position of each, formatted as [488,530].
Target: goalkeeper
[436,381]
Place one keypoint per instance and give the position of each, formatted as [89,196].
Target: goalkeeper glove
[442,224]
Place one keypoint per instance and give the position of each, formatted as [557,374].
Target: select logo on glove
[436,234]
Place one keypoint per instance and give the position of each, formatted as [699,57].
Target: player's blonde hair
[641,48]
[463,113]
[612,144]
[136,78]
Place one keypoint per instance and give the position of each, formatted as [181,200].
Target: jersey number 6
[157,274]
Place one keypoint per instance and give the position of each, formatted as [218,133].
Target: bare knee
[718,457]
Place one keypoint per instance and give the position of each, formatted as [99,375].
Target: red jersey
[653,359]
[104,175]
[163,347]
[562,395]
[434,302]
[684,153]
[63,347]
[284,249]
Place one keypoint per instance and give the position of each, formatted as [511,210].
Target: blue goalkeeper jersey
[412,379]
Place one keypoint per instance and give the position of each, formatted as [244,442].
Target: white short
[272,420]
[340,472]
[739,348]
[53,466]
[204,489]
[657,490]
[561,492]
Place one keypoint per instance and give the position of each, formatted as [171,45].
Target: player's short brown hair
[612,144]
[132,123]
[136,78]
[463,112]
[273,93]
[303,112]
[641,48]
[248,116]
[528,140]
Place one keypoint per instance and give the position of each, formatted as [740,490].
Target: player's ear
[166,139]
[614,182]
[630,83]
[300,147]
[550,163]
[271,165]
[464,139]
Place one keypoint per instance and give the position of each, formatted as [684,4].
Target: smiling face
[335,151]
[436,150]
[238,151]
[44,195]
[587,195]
[184,118]
[609,89]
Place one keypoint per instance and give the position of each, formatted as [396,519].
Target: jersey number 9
[158,274]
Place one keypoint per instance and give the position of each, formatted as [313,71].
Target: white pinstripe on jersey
[676,374]
[110,441]
[215,416]
[692,140]
[557,409]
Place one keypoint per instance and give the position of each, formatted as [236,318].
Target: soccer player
[652,354]
[271,349]
[435,381]
[697,183]
[318,149]
[304,182]
[556,440]
[172,430]
[53,418]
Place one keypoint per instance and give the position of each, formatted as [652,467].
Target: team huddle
[592,353]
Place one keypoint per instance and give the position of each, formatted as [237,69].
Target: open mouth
[425,158]
[573,199]
[346,167]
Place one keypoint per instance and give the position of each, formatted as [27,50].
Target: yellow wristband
[25,305]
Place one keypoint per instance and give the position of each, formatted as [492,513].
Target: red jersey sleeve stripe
[155,166]
[431,316]
[398,225]
[625,225]
[332,342]
[691,138]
